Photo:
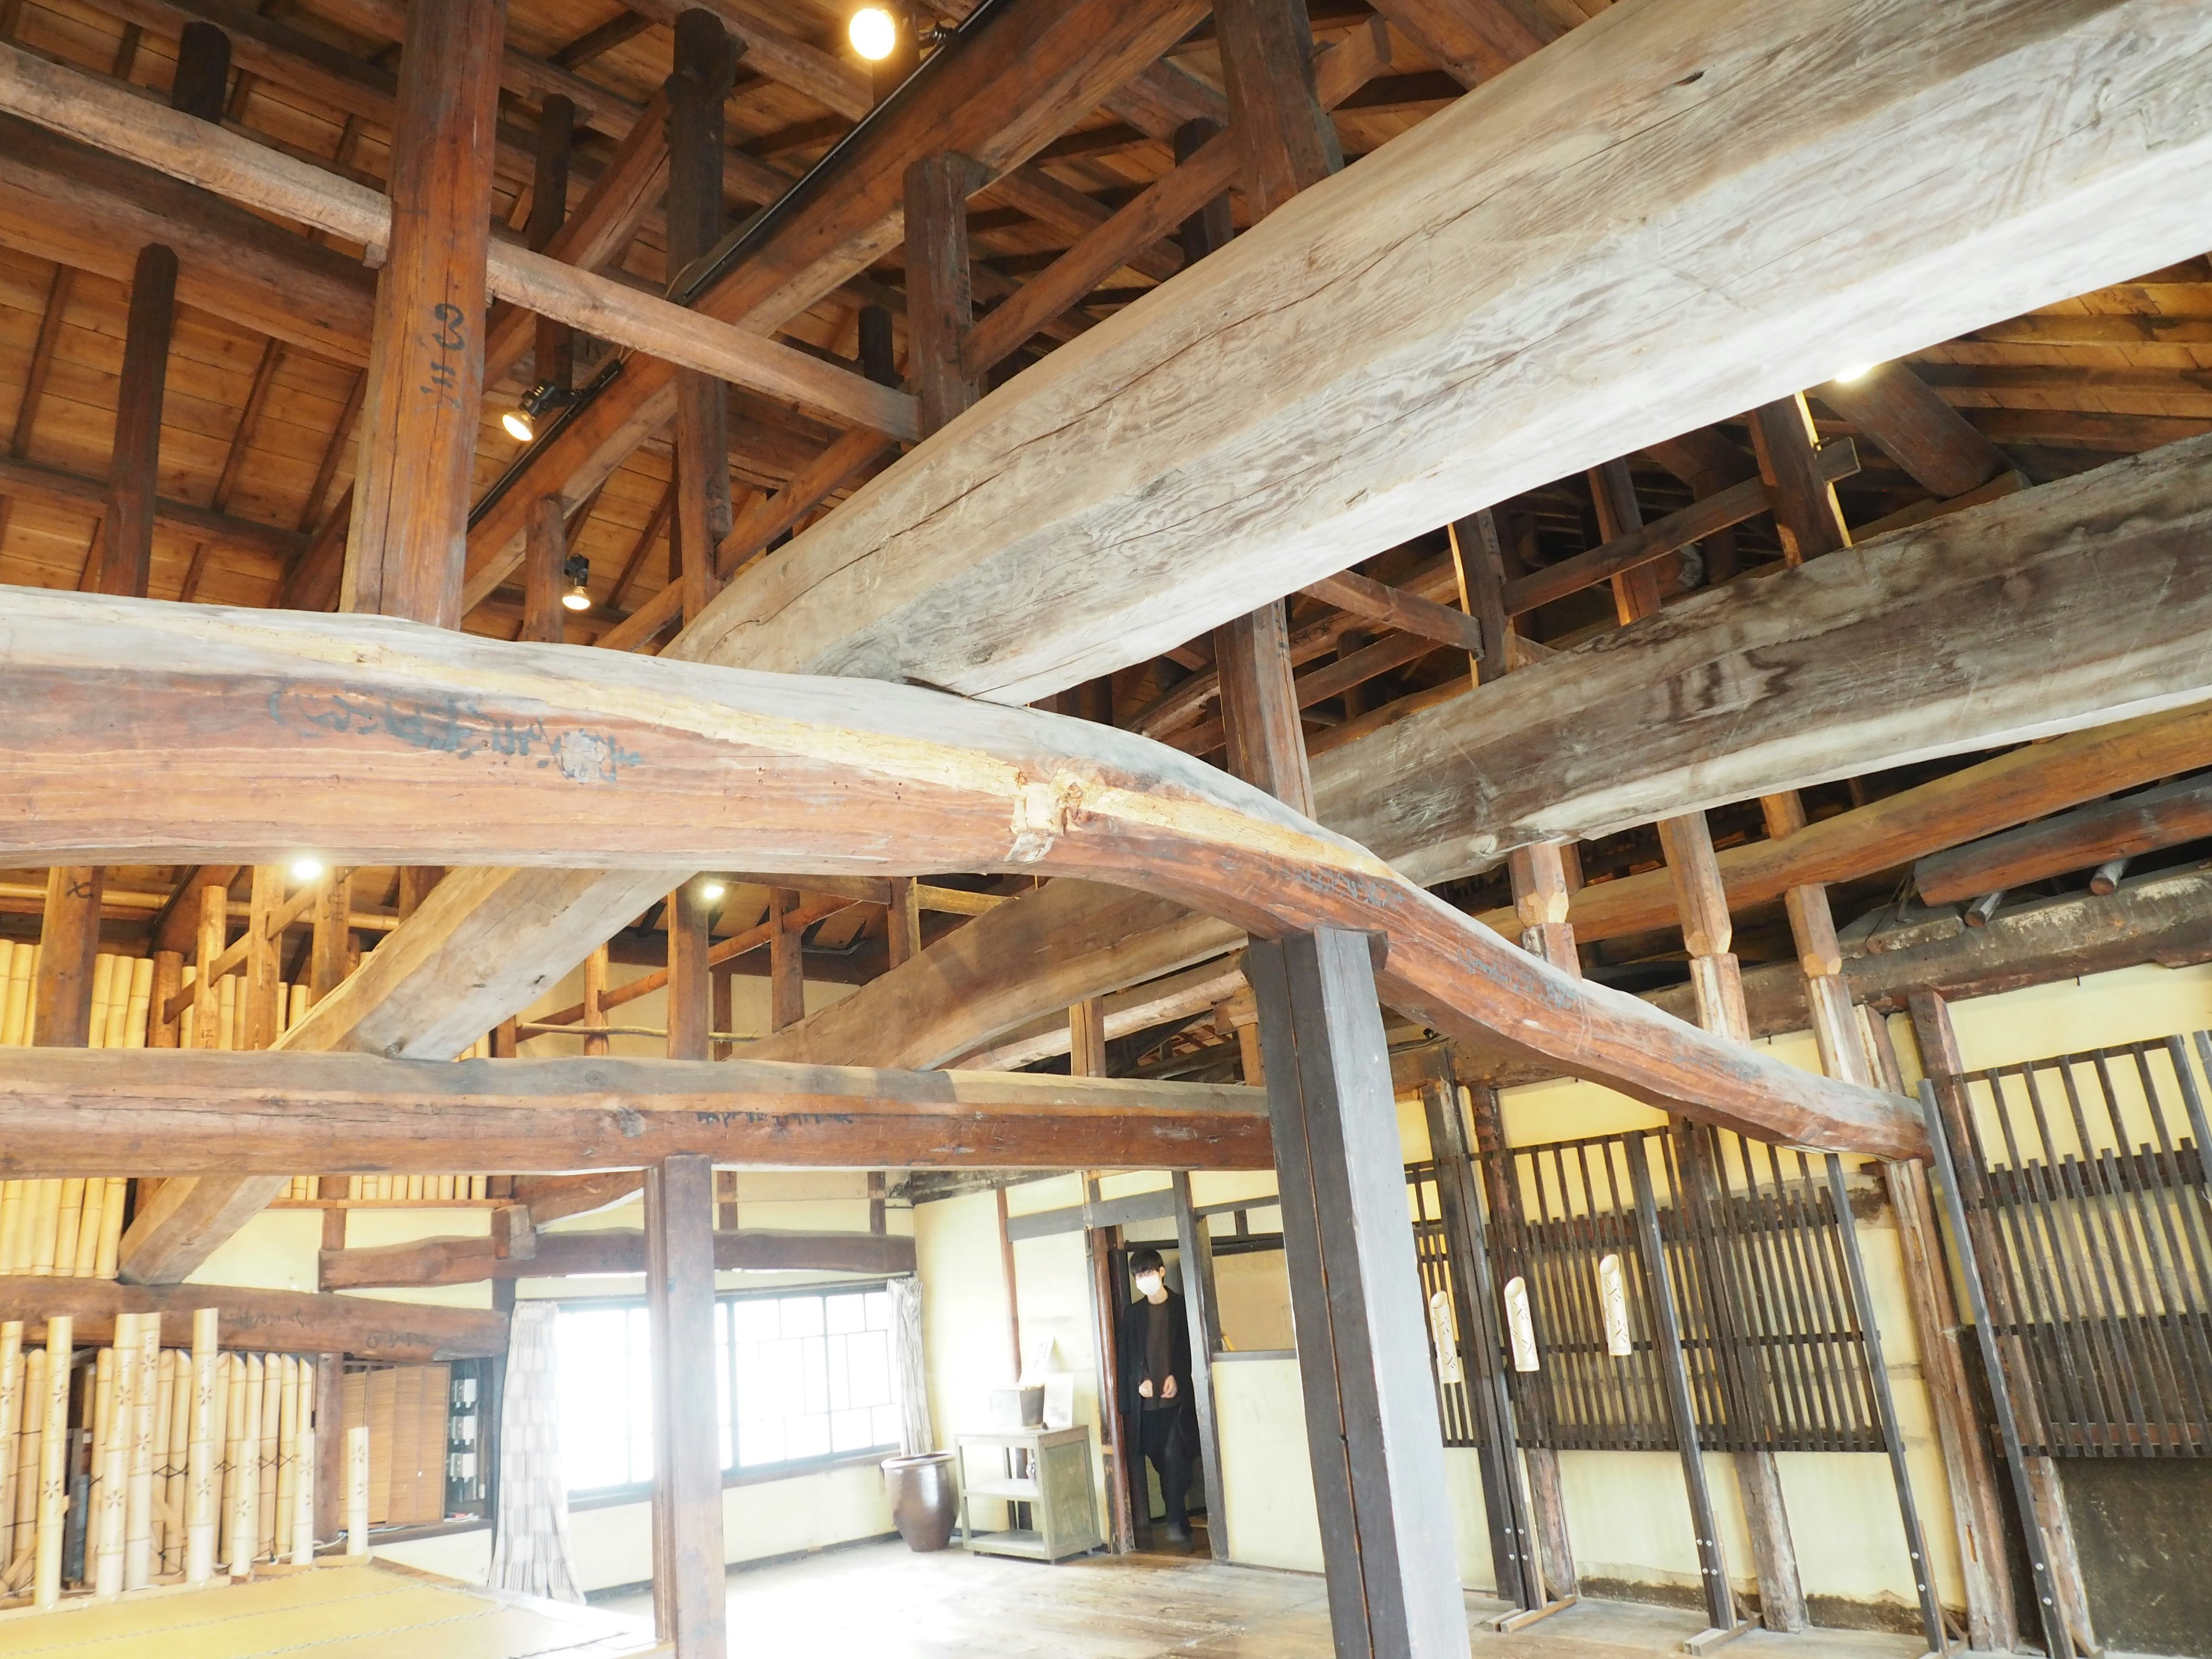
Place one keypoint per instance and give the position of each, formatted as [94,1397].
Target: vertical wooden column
[260,1007]
[1806,514]
[215,932]
[1481,560]
[1260,706]
[687,1491]
[940,301]
[1202,1307]
[329,959]
[595,992]
[329,1446]
[1107,1298]
[1211,227]
[786,961]
[1285,139]
[1086,1037]
[2038,1475]
[705,62]
[1371,1428]
[126,543]
[203,77]
[1717,979]
[1541,894]
[902,923]
[545,552]
[689,916]
[555,356]
[69,940]
[1635,592]
[405,552]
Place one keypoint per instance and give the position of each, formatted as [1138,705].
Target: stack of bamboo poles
[61,1228]
[197,1457]
[394,1189]
[122,991]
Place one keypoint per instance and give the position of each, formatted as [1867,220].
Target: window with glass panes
[800,1376]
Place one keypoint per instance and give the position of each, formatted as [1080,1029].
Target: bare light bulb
[873,33]
[712,891]
[307,867]
[519,427]
[1856,371]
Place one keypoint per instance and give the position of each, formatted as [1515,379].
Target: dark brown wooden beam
[193,1112]
[410,498]
[126,546]
[1283,134]
[2141,822]
[1806,515]
[696,89]
[940,301]
[1895,408]
[69,938]
[561,1256]
[270,1322]
[688,1573]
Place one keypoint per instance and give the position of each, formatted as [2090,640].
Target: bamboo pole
[53,1464]
[27,1466]
[118,1399]
[138,1017]
[268,1475]
[22,969]
[69,1210]
[201,1479]
[11,1427]
[109,1253]
[138,1461]
[167,1485]
[357,1492]
[46,1220]
[245,1504]
[11,1227]
[303,1495]
[92,1221]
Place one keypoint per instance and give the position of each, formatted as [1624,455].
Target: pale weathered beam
[1537,273]
[272,1321]
[201,1112]
[471,1261]
[244,727]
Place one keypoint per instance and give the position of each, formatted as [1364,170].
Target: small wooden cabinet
[1048,1470]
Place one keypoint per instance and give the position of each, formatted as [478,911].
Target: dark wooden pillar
[69,938]
[687,1490]
[545,551]
[260,1013]
[405,552]
[1371,1405]
[126,542]
[1210,228]
[689,1003]
[940,302]
[1195,1248]
[878,345]
[553,359]
[705,62]
[1260,705]
[329,1443]
[203,77]
[1481,558]
[786,961]
[902,923]
[1283,137]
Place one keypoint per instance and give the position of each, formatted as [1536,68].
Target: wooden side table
[1047,1470]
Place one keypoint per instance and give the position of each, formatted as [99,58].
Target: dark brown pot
[924,1504]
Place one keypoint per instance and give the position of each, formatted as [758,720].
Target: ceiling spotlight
[521,420]
[307,867]
[874,34]
[1856,371]
[577,572]
[712,891]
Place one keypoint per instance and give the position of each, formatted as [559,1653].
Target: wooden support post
[419,410]
[416,883]
[126,540]
[687,1494]
[705,62]
[1107,1298]
[1086,1037]
[329,1512]
[786,975]
[260,1009]
[168,979]
[1260,706]
[202,81]
[545,553]
[1195,1246]
[1371,1426]
[1285,139]
[940,302]
[595,994]
[1481,560]
[690,915]
[1718,980]
[1635,592]
[902,922]
[214,935]
[554,357]
[1806,515]
[69,940]
[329,954]
[2045,1506]
[1211,227]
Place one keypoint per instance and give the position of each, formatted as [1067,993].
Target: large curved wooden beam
[149,732]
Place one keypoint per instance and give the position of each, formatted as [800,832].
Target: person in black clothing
[1156,1376]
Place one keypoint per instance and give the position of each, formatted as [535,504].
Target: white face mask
[1147,1284]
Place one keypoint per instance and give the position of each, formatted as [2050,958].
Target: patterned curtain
[530,1540]
[916,1434]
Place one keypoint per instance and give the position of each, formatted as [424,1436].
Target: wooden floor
[884,1602]
[338,1613]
